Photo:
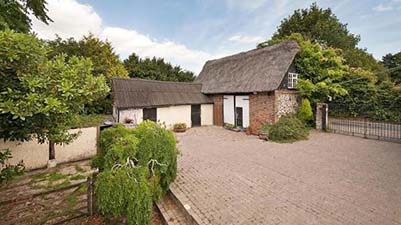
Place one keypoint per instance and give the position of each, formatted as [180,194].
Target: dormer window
[292,80]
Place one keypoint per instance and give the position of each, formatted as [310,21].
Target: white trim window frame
[292,80]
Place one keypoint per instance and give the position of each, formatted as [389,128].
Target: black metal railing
[361,123]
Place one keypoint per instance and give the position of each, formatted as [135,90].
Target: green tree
[320,25]
[321,69]
[305,111]
[105,62]
[14,14]
[40,97]
[323,27]
[393,64]
[155,69]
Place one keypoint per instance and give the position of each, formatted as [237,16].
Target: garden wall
[36,155]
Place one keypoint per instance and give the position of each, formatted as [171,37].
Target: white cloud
[382,8]
[126,41]
[246,39]
[73,19]
[245,5]
[389,6]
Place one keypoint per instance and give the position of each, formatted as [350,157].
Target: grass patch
[91,120]
[78,177]
[55,176]
[78,168]
[49,180]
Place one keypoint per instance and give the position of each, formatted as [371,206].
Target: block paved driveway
[230,178]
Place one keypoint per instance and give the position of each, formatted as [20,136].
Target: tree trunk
[52,151]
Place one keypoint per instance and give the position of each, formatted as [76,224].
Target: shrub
[7,171]
[157,143]
[138,166]
[305,111]
[288,129]
[180,126]
[116,144]
[265,129]
[125,192]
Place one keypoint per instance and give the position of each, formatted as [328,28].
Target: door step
[173,212]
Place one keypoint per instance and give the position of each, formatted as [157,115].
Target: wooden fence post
[90,195]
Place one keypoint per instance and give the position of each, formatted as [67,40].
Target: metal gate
[361,125]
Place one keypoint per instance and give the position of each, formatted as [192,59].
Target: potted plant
[128,120]
[180,127]
[229,126]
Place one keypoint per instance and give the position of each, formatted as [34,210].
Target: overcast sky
[188,33]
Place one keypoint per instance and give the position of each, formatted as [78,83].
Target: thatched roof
[253,71]
[139,93]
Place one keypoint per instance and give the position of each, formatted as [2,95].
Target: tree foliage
[8,171]
[14,14]
[331,64]
[323,27]
[41,97]
[155,69]
[321,69]
[393,64]
[105,63]
[320,25]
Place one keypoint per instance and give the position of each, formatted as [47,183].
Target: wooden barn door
[196,115]
[150,114]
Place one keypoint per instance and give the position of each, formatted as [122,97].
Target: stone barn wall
[287,101]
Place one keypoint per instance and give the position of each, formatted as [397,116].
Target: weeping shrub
[116,144]
[288,129]
[124,191]
[158,144]
[137,167]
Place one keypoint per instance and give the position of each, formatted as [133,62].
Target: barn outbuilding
[252,88]
[246,90]
[135,100]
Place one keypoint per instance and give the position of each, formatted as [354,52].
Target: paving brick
[230,178]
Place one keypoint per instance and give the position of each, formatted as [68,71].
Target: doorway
[196,115]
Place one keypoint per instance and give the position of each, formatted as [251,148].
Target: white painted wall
[36,155]
[174,114]
[135,114]
[243,101]
[206,114]
[228,109]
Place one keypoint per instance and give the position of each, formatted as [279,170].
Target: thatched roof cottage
[252,88]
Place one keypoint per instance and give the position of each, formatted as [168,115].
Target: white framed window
[292,80]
